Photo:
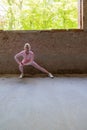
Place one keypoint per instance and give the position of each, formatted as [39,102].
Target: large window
[39,14]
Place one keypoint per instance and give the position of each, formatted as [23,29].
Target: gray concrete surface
[36,103]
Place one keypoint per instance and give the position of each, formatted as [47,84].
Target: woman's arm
[16,57]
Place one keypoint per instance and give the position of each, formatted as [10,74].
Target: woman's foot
[21,76]
[50,75]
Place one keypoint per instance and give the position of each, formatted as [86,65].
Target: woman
[28,59]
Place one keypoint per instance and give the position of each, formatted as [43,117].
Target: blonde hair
[27,45]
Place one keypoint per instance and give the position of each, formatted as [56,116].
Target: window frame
[80,14]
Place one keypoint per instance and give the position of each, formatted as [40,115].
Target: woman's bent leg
[21,70]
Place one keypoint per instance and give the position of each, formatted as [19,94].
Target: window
[40,14]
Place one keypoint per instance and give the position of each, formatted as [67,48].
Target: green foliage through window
[38,14]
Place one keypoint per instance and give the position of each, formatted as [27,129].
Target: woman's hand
[20,64]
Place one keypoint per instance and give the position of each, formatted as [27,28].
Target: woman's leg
[21,70]
[34,64]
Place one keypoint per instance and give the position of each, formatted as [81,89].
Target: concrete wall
[57,51]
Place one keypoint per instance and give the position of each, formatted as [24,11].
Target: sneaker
[21,76]
[50,75]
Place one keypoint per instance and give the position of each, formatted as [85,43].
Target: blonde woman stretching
[28,59]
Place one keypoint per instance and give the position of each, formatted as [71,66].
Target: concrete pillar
[84,14]
[80,14]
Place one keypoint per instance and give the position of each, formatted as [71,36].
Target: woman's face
[26,50]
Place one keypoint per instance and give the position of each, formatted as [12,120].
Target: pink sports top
[27,58]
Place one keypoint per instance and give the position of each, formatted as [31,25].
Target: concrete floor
[43,103]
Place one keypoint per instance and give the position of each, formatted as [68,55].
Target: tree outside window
[38,14]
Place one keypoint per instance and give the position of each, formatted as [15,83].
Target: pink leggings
[34,64]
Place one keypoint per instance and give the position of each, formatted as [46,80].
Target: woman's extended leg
[34,64]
